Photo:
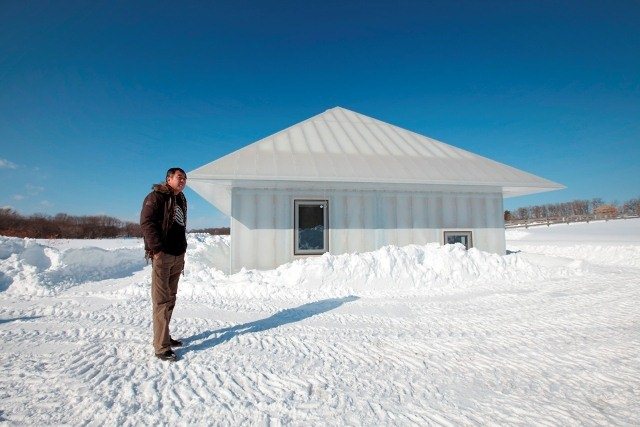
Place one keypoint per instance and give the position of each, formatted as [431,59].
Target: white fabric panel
[338,234]
[419,217]
[449,214]
[463,202]
[436,211]
[283,233]
[478,205]
[359,221]
[404,219]
[355,210]
[265,243]
[389,218]
[242,226]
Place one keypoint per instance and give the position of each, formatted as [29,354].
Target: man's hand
[156,255]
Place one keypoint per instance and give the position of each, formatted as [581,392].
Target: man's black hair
[171,171]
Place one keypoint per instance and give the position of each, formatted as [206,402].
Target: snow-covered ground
[548,334]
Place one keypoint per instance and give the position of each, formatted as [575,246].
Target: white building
[344,182]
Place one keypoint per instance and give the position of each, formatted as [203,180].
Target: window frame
[310,202]
[468,233]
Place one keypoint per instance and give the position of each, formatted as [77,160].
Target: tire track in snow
[377,361]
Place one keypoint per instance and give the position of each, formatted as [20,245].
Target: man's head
[176,179]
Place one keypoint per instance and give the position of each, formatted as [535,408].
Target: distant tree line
[65,226]
[215,231]
[594,208]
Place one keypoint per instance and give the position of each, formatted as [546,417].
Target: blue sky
[98,99]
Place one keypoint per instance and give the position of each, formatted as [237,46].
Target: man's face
[177,181]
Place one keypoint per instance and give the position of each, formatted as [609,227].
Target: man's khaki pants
[164,287]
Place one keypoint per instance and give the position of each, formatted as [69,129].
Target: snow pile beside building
[32,268]
[416,268]
[46,267]
[391,270]
[207,251]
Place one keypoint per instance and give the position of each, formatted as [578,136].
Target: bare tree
[631,207]
[523,213]
[595,202]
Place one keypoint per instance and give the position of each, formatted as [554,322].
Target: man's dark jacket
[161,233]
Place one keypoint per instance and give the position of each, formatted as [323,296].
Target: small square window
[311,227]
[464,237]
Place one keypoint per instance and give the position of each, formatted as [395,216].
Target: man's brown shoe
[168,355]
[175,343]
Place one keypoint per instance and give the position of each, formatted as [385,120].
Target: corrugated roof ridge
[466,153]
[335,137]
[337,119]
[340,115]
[273,135]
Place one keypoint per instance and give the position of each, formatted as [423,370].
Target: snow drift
[29,267]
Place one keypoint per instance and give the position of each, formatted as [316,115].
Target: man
[163,220]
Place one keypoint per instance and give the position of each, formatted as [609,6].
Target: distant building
[344,182]
[606,211]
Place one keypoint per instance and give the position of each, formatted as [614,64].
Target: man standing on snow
[164,220]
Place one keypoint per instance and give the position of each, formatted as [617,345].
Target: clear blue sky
[98,99]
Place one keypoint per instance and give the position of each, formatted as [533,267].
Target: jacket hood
[162,188]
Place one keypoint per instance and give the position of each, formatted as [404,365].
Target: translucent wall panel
[359,221]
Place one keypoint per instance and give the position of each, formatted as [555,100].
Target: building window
[312,224]
[464,237]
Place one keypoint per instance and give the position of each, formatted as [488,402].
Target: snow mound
[428,267]
[31,267]
[208,251]
[412,269]
[28,267]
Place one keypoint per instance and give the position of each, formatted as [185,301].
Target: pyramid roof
[340,145]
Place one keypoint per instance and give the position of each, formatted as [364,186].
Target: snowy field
[420,335]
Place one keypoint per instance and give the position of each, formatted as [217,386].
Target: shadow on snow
[290,315]
[22,319]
